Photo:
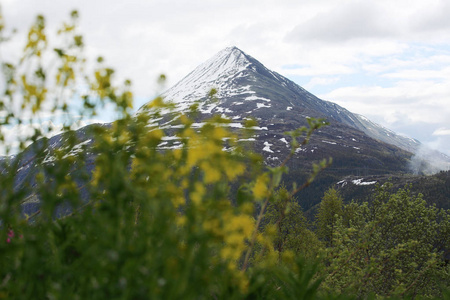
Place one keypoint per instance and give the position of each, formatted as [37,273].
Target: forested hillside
[435,188]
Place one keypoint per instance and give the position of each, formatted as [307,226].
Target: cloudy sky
[387,60]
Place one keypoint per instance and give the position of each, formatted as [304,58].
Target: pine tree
[293,231]
[330,209]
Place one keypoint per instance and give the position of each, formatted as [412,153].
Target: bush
[142,221]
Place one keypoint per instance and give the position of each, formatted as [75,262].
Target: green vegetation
[169,224]
[330,209]
[393,246]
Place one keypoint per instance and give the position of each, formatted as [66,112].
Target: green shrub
[157,223]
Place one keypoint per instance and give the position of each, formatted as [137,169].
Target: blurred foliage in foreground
[170,223]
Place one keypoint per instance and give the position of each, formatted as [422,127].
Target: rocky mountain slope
[246,89]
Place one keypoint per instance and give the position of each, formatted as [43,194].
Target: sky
[387,60]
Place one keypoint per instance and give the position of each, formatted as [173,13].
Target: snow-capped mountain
[245,88]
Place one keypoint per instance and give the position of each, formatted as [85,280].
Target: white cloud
[416,109]
[315,81]
[442,131]
[343,22]
[318,69]
[433,17]
[415,74]
[369,19]
[410,101]
[15,134]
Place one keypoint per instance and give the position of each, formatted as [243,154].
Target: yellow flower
[247,208]
[157,102]
[188,133]
[177,153]
[234,169]
[260,189]
[211,174]
[220,133]
[197,194]
[154,135]
[181,220]
[178,201]
[288,257]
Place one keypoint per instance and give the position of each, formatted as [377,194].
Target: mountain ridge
[225,72]
[246,89]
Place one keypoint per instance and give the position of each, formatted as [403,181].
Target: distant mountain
[247,89]
[241,80]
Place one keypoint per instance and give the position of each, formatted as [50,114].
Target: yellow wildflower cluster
[233,230]
[174,210]
[260,189]
[197,170]
[197,194]
[237,230]
[205,150]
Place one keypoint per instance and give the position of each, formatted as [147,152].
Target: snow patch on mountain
[267,147]
[261,105]
[360,182]
[251,98]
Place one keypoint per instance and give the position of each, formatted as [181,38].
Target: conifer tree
[293,232]
[330,209]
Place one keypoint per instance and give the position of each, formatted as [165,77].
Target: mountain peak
[227,61]
[216,72]
[231,49]
[232,52]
